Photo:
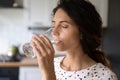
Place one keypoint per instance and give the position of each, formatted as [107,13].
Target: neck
[76,60]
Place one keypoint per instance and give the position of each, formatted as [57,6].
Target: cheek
[72,36]
[71,39]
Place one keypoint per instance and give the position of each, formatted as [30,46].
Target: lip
[57,42]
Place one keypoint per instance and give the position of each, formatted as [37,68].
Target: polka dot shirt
[95,72]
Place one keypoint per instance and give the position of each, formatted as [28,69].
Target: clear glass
[27,48]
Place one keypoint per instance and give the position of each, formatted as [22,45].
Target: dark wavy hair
[89,22]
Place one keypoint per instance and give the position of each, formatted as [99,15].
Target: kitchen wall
[14,23]
[13,28]
[111,36]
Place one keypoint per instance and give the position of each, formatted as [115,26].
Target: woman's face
[65,32]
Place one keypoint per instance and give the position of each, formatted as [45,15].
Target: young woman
[77,30]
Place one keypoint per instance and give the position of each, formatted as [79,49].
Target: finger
[39,39]
[48,43]
[40,44]
[48,48]
[38,53]
[46,39]
[35,50]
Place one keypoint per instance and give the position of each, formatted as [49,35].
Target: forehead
[61,15]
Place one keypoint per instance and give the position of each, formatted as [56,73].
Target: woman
[76,30]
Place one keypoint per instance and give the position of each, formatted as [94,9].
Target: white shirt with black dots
[96,72]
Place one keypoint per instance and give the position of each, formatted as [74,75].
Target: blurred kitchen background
[21,19]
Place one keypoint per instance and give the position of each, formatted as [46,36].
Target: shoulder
[104,72]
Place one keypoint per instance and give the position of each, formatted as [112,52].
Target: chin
[60,49]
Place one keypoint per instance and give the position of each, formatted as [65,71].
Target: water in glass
[27,48]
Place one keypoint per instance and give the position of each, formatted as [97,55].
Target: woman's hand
[45,55]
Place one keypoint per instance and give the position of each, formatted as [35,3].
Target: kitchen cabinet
[26,69]
[9,73]
[29,73]
[39,11]
[29,70]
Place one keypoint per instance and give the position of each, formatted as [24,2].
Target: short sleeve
[109,75]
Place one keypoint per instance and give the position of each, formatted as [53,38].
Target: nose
[55,31]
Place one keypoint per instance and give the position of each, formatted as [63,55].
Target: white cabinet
[29,73]
[39,11]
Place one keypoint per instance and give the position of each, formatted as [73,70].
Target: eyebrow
[61,22]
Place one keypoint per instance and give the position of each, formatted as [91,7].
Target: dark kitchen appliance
[11,3]
[9,73]
[6,3]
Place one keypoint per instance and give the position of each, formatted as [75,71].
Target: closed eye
[64,26]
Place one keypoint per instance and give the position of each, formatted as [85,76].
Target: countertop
[24,62]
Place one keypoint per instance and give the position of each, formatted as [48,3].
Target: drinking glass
[27,48]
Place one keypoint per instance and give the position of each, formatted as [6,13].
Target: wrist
[49,76]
